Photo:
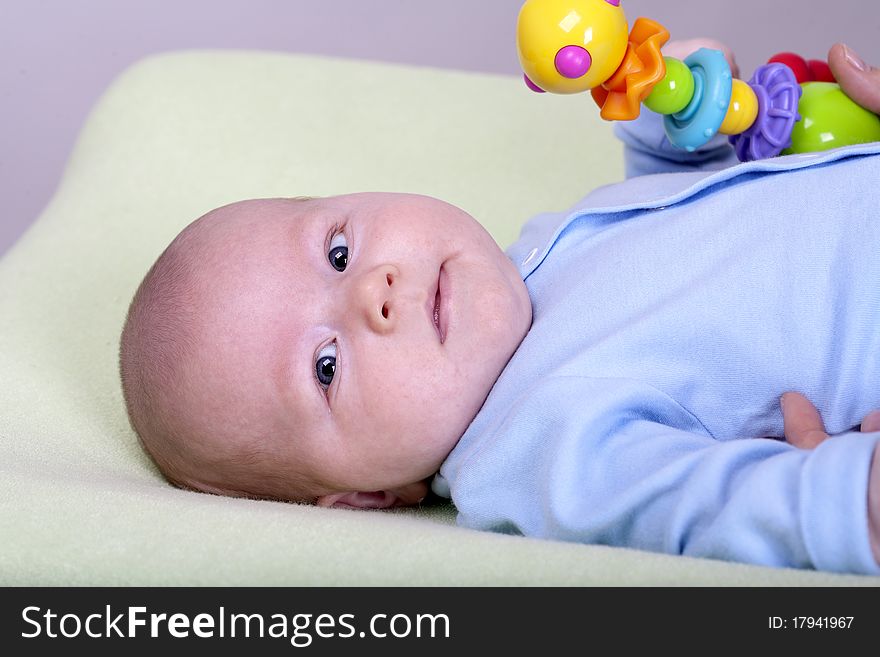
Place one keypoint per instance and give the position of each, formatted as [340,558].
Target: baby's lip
[437,307]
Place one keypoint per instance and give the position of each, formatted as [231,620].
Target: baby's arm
[626,465]
[804,428]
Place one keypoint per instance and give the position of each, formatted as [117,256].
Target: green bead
[830,119]
[674,91]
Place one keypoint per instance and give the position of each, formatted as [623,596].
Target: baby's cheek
[503,308]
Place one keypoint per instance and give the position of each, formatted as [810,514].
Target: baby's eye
[338,253]
[325,365]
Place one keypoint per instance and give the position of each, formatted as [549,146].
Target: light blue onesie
[670,313]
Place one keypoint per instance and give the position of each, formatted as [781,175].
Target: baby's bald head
[168,382]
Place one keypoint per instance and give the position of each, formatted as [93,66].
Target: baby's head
[324,350]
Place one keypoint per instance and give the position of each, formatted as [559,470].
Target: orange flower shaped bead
[621,95]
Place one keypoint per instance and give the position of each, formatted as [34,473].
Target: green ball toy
[830,119]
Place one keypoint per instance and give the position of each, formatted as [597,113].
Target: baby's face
[358,334]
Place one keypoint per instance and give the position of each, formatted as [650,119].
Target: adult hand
[803,424]
[858,80]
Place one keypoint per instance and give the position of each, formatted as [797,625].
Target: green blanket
[182,133]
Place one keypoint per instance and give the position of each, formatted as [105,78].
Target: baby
[589,385]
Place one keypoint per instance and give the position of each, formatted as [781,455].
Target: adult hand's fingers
[858,80]
[802,422]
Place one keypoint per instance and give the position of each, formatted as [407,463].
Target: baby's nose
[375,298]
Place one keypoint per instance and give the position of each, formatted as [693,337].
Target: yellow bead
[743,109]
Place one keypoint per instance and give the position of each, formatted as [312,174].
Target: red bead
[820,70]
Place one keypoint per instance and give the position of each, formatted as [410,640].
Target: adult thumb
[857,79]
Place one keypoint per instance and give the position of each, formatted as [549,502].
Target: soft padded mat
[175,136]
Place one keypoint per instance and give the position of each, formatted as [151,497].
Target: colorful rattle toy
[788,105]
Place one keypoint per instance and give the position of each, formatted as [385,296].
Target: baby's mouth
[435,309]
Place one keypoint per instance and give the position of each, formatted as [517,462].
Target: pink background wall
[57,56]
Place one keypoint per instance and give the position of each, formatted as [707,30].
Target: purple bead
[616,3]
[573,61]
[778,94]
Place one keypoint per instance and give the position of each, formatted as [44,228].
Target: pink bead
[531,85]
[573,61]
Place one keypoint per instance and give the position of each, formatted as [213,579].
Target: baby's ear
[381,499]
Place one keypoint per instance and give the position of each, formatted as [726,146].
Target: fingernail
[782,402]
[854,60]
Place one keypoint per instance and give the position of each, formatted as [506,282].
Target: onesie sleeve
[647,149]
[617,462]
